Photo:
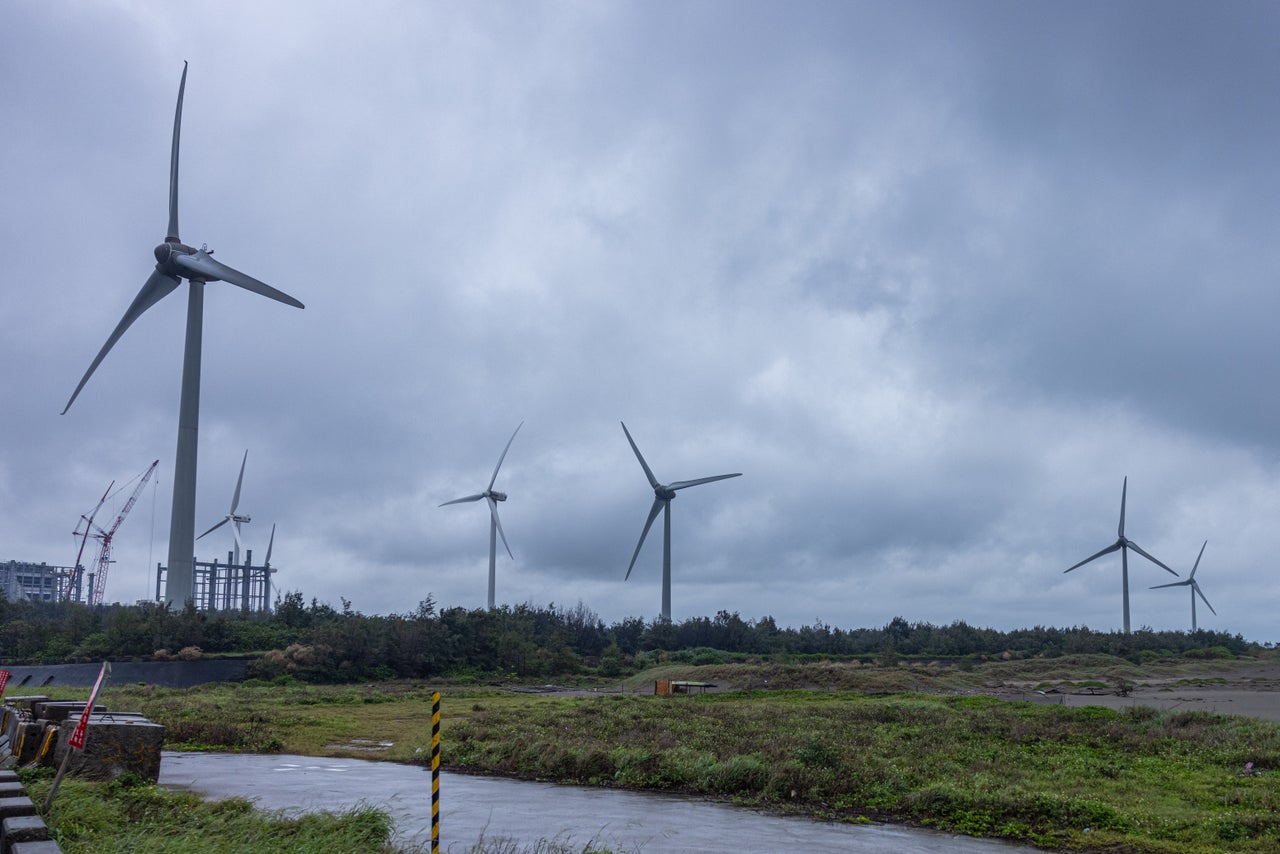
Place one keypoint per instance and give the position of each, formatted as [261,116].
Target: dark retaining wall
[167,674]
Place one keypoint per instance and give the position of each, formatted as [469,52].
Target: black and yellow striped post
[435,773]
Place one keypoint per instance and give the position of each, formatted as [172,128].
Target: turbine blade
[202,266]
[681,484]
[235,499]
[1196,588]
[497,523]
[173,162]
[1158,563]
[463,500]
[1171,584]
[235,530]
[157,287]
[215,527]
[271,542]
[1197,564]
[504,456]
[653,514]
[1124,491]
[653,481]
[1108,550]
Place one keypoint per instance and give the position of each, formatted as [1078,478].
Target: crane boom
[76,569]
[104,554]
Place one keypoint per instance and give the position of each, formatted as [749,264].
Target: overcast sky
[935,277]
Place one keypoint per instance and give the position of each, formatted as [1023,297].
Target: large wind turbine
[1195,588]
[176,261]
[495,526]
[662,495]
[1123,544]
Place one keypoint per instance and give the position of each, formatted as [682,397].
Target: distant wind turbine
[267,570]
[1123,544]
[1195,588]
[231,516]
[662,495]
[495,526]
[176,261]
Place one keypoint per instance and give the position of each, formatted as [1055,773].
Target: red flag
[4,680]
[77,736]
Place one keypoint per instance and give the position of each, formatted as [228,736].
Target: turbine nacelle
[167,252]
[495,495]
[663,492]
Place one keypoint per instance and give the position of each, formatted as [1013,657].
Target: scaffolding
[226,586]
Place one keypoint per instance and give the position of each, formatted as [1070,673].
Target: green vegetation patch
[128,816]
[1070,778]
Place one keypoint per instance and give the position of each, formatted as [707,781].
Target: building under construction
[37,582]
[226,586]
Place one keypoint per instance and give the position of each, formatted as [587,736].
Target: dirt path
[1253,691]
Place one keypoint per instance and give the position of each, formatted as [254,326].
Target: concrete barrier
[167,674]
[28,834]
[22,829]
[114,745]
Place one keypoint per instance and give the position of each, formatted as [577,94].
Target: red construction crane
[104,552]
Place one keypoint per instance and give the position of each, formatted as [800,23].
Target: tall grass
[127,816]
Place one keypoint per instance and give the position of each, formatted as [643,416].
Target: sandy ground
[1251,691]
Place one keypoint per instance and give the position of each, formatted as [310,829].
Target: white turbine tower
[1195,588]
[495,526]
[176,261]
[1123,544]
[662,495]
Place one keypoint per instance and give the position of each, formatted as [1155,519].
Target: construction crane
[91,528]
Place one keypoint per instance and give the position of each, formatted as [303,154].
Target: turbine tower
[495,526]
[176,261]
[662,495]
[266,572]
[1123,544]
[1195,588]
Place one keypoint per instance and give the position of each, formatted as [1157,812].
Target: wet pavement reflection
[526,812]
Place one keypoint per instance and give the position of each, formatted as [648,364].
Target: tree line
[317,642]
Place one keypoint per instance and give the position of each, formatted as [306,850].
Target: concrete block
[59,711]
[12,790]
[23,828]
[114,746]
[11,807]
[25,703]
[27,743]
[45,846]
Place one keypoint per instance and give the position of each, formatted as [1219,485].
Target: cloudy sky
[934,276]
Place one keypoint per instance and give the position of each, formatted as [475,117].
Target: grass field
[870,744]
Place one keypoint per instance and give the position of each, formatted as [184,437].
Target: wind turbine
[267,570]
[235,521]
[662,495]
[1123,544]
[1195,588]
[495,526]
[176,261]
